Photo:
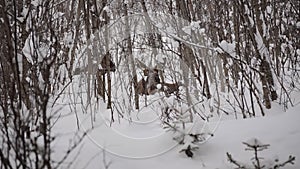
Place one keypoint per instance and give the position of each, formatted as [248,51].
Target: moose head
[152,80]
[148,86]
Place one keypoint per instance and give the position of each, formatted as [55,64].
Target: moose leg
[100,85]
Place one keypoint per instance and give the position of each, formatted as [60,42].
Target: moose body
[107,64]
[170,88]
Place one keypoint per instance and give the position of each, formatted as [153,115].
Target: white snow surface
[144,144]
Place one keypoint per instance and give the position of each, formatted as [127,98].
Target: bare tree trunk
[89,53]
[131,58]
[106,36]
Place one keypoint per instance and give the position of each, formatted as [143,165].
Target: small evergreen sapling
[189,151]
[258,162]
[175,121]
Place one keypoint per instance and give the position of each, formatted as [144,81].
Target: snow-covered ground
[144,144]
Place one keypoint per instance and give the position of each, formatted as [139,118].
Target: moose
[106,66]
[149,86]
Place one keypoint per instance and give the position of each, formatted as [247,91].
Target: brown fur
[107,64]
[152,80]
[141,87]
[170,88]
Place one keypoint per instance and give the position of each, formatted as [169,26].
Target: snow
[58,15]
[36,3]
[194,26]
[269,9]
[227,47]
[298,25]
[32,49]
[142,143]
[138,140]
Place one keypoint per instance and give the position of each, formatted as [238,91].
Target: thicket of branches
[238,56]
